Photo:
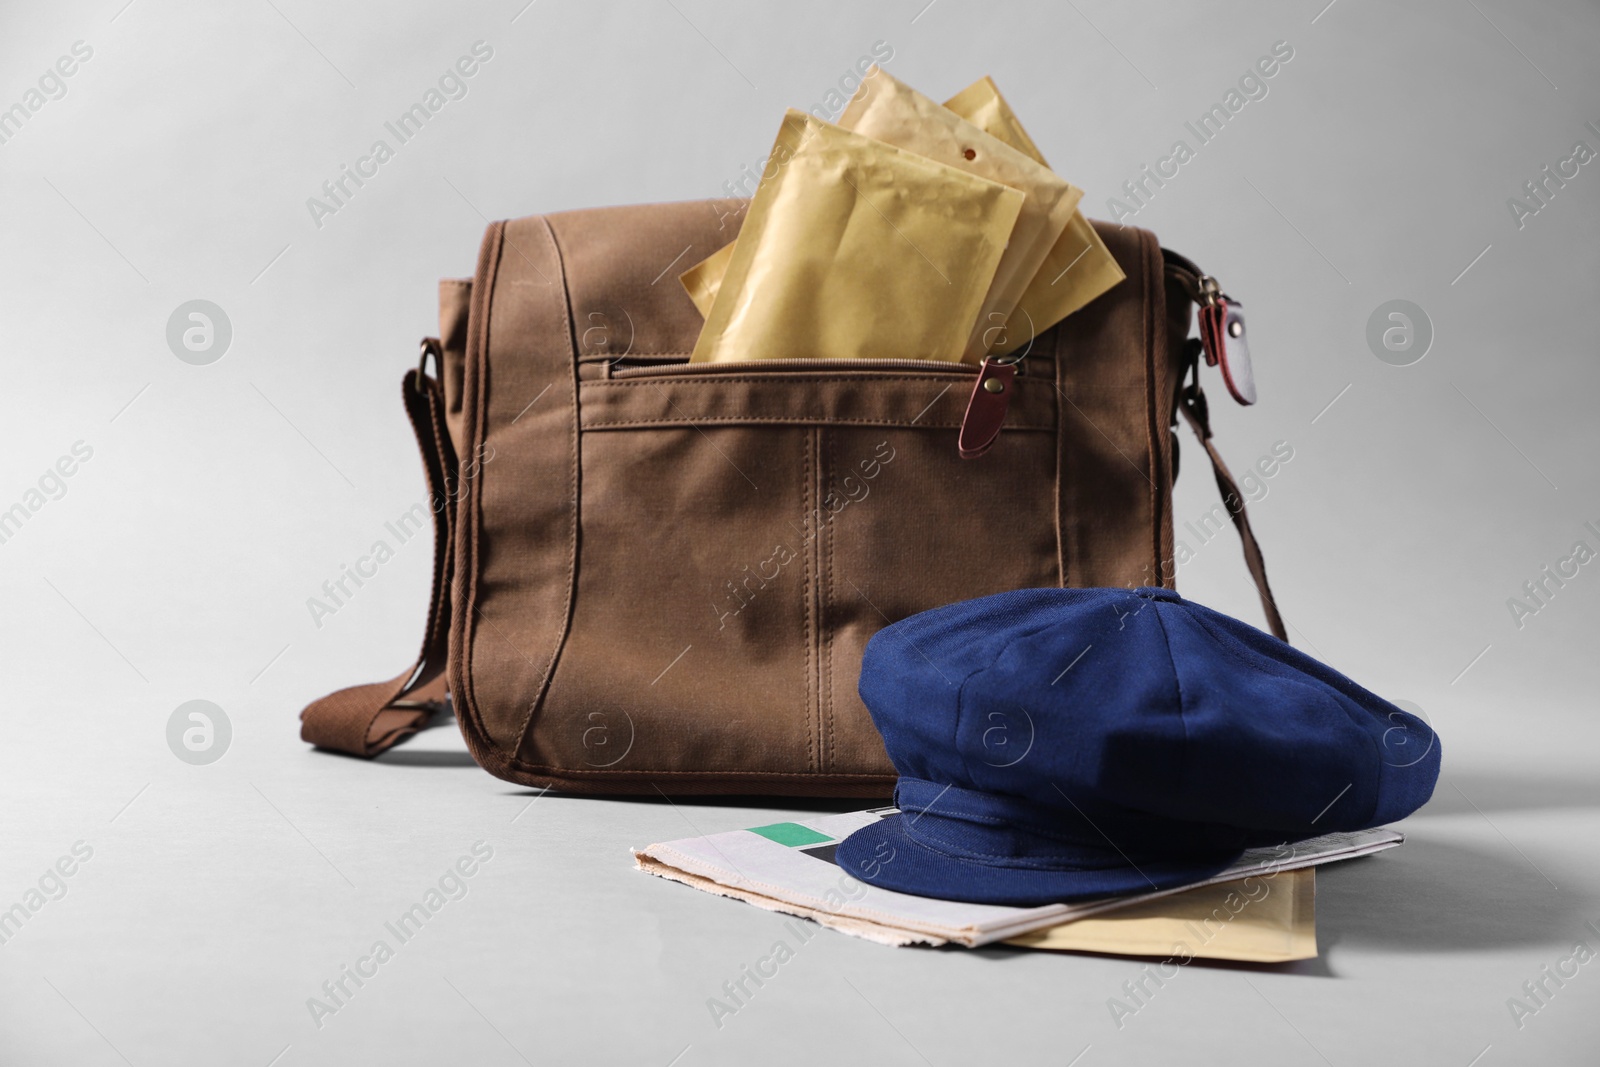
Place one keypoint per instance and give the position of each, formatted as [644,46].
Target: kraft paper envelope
[1077,268]
[893,112]
[854,248]
[1262,919]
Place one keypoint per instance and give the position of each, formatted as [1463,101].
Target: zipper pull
[1222,335]
[1213,306]
[986,410]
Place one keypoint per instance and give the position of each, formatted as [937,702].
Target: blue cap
[1066,744]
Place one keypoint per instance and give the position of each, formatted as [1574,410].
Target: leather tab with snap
[986,411]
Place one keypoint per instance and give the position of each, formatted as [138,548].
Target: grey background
[218,498]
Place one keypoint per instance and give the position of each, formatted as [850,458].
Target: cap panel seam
[961,692]
[1231,645]
[1177,685]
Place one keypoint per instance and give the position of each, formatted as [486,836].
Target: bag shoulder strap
[1197,412]
[366,720]
[1192,402]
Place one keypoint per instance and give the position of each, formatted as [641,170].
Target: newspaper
[789,867]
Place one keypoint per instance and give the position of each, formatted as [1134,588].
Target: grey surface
[219,497]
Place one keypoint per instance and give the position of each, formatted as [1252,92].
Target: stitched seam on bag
[1062,498]
[805,610]
[578,774]
[1167,416]
[569,366]
[601,357]
[829,420]
[825,600]
[810,610]
[469,549]
[864,376]
[1152,252]
[814,441]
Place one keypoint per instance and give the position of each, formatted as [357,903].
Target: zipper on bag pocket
[994,383]
[663,370]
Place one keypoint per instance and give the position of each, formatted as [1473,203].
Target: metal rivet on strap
[995,385]
[1235,328]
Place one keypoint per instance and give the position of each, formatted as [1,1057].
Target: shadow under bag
[657,576]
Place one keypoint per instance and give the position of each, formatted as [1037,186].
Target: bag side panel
[1115,487]
[517,539]
[1177,314]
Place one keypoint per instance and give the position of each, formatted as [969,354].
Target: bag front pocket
[743,532]
[923,394]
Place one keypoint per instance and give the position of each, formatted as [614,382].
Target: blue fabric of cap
[1067,744]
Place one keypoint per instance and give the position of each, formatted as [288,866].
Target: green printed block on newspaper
[790,833]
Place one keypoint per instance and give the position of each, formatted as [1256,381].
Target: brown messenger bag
[656,576]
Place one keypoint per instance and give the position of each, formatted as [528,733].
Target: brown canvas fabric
[657,576]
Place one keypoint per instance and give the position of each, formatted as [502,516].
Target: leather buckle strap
[430,347]
[366,720]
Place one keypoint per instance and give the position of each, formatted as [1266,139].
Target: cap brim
[888,855]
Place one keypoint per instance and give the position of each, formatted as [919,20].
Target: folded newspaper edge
[788,867]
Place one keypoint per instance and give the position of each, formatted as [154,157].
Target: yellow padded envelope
[897,114]
[854,248]
[1077,268]
[1266,919]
